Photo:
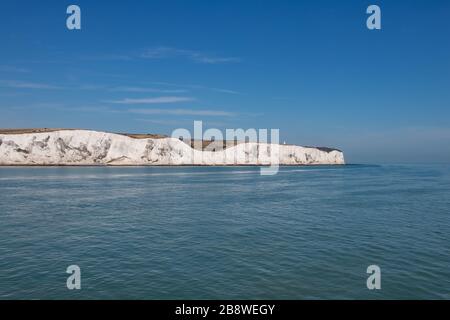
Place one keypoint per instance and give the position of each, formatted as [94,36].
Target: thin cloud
[93,87]
[195,87]
[6,68]
[196,56]
[185,112]
[224,91]
[108,57]
[144,89]
[132,89]
[153,100]
[27,85]
[163,52]
[170,84]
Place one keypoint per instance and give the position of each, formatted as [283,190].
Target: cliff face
[83,147]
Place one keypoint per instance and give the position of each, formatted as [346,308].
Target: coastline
[70,147]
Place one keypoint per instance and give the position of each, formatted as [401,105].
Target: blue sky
[310,68]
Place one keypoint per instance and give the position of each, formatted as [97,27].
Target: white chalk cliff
[84,147]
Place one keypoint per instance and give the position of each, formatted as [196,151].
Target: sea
[314,232]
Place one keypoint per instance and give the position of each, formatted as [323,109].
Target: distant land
[58,146]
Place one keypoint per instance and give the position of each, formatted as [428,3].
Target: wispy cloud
[181,85]
[195,87]
[170,88]
[189,112]
[154,100]
[144,89]
[165,52]
[132,89]
[199,57]
[108,57]
[224,91]
[196,56]
[26,85]
[7,68]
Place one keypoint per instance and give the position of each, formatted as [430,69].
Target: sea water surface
[225,232]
